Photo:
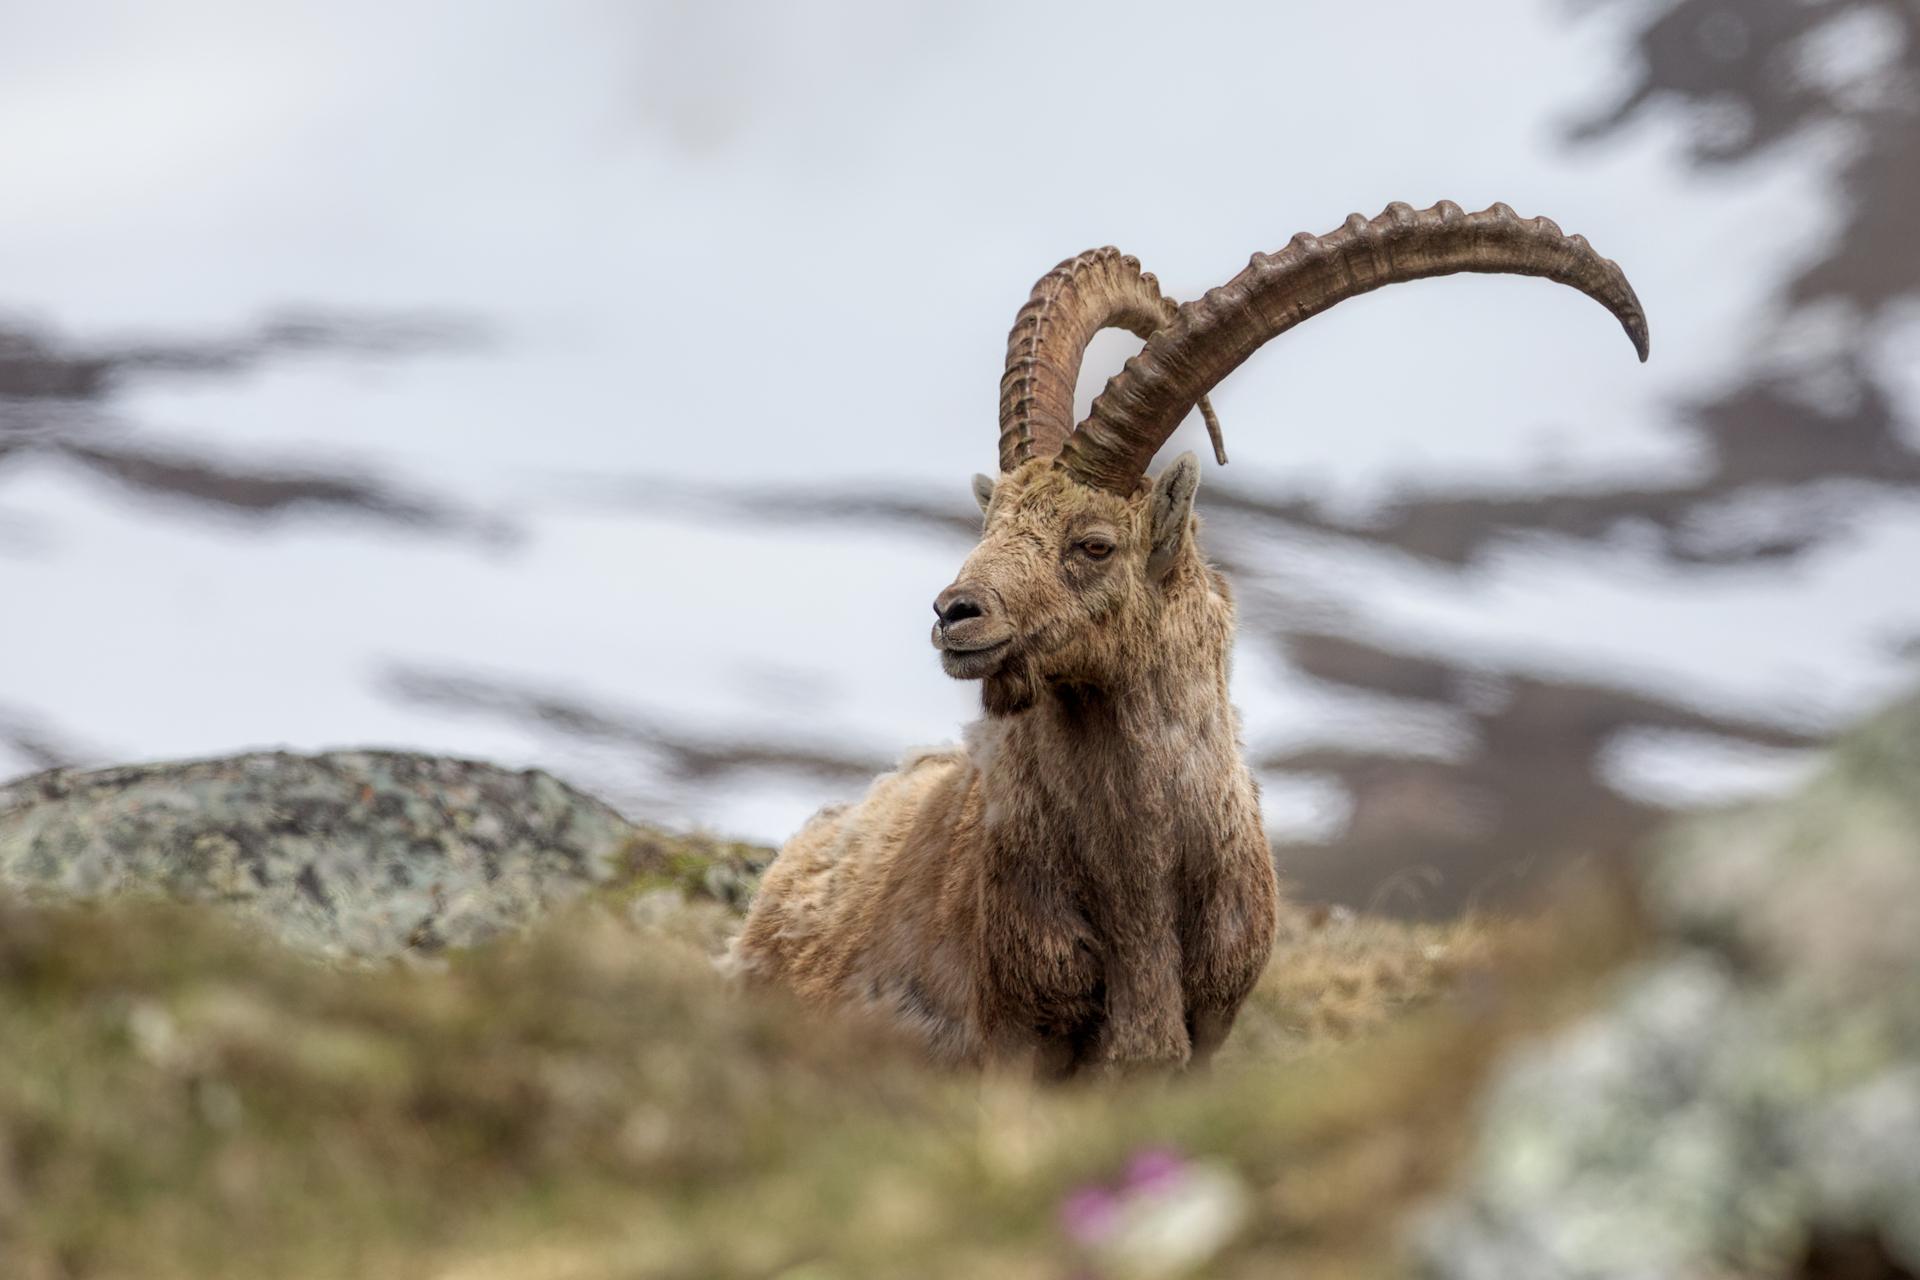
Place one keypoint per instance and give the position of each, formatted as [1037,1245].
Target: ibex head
[1069,583]
[1084,564]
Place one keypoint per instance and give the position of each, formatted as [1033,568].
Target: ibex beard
[1086,884]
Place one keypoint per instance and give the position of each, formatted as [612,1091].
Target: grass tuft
[181,1098]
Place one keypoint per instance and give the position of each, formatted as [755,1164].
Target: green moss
[698,866]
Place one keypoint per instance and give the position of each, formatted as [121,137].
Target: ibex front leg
[1146,1022]
[1227,932]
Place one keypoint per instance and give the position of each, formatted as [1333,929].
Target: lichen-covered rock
[1752,1090]
[351,853]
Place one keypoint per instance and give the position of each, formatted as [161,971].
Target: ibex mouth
[966,657]
[974,664]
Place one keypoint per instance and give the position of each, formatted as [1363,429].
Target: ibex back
[1086,883]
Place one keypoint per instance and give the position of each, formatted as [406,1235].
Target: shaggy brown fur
[1086,883]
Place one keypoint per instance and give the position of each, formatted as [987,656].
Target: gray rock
[364,853]
[1750,1090]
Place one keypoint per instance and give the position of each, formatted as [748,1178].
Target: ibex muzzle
[972,632]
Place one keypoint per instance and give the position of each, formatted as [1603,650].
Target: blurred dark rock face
[1807,429]
[1747,1100]
[57,399]
[1499,820]
[1810,426]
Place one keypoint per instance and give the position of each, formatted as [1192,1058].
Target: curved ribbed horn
[1099,289]
[1211,336]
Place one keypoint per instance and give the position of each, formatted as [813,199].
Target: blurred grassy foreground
[181,1098]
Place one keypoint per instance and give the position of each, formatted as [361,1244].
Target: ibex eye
[1096,548]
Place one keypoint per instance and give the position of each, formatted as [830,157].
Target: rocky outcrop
[363,853]
[1748,1100]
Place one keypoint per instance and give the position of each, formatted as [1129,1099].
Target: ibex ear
[983,491]
[1172,512]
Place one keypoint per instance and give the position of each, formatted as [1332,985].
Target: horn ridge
[1213,335]
[1099,289]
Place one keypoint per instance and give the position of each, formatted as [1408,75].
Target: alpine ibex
[1086,882]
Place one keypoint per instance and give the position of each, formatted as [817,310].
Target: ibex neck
[1113,768]
[1144,715]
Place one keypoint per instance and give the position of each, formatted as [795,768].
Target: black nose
[955,604]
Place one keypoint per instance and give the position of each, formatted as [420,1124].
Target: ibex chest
[1058,935]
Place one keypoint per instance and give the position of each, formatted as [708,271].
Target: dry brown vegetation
[179,1098]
